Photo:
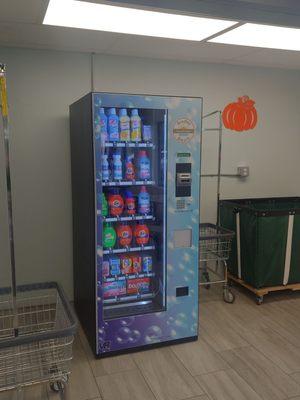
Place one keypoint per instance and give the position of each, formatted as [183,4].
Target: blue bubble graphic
[153,333]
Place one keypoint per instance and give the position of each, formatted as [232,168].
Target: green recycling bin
[266,247]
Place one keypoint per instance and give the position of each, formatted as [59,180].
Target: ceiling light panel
[102,17]
[265,36]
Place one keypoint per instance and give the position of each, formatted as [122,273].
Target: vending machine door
[147,172]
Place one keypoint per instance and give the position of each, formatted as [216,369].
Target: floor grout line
[144,378]
[89,364]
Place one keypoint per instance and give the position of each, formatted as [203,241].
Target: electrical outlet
[243,172]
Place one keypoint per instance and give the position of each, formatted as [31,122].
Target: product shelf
[129,276]
[129,249]
[128,183]
[130,144]
[136,217]
[125,298]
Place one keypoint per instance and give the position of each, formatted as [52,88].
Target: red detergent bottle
[141,234]
[124,233]
[115,203]
[129,203]
[129,168]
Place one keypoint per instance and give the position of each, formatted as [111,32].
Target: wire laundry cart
[36,341]
[37,324]
[215,247]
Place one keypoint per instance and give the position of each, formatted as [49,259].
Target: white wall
[41,86]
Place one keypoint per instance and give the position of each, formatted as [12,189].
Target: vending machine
[135,188]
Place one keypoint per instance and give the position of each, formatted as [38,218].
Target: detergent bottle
[147,133]
[113,125]
[124,121]
[136,126]
[144,166]
[124,233]
[103,125]
[144,201]
[109,236]
[105,168]
[117,167]
[115,203]
[129,168]
[141,234]
[129,203]
[104,206]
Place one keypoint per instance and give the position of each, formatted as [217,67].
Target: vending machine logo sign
[184,130]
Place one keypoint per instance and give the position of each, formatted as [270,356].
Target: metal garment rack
[219,129]
[215,242]
[4,108]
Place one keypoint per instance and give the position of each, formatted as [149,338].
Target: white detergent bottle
[136,126]
[117,167]
[113,125]
[105,168]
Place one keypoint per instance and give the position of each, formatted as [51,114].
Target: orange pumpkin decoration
[240,116]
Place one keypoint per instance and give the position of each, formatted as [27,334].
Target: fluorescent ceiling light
[257,35]
[102,17]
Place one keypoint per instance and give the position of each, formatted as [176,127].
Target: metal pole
[4,109]
[219,167]
[209,114]
[92,73]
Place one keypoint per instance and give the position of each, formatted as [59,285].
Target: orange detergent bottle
[141,234]
[116,203]
[124,233]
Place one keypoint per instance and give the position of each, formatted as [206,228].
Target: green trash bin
[266,248]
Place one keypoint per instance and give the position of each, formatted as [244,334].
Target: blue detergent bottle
[113,125]
[144,166]
[144,201]
[103,125]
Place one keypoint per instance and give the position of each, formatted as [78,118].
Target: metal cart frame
[215,246]
[215,241]
[37,324]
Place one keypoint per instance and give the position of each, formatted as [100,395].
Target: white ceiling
[21,26]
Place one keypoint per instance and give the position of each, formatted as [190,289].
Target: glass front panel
[131,156]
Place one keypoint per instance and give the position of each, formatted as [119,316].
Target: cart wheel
[205,276]
[228,296]
[59,386]
[259,300]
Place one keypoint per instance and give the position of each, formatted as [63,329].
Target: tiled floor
[244,352]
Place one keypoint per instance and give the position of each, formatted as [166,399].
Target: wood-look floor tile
[217,330]
[166,375]
[128,385]
[109,365]
[260,329]
[112,365]
[227,385]
[285,320]
[296,377]
[203,397]
[35,392]
[199,358]
[276,348]
[269,381]
[8,395]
